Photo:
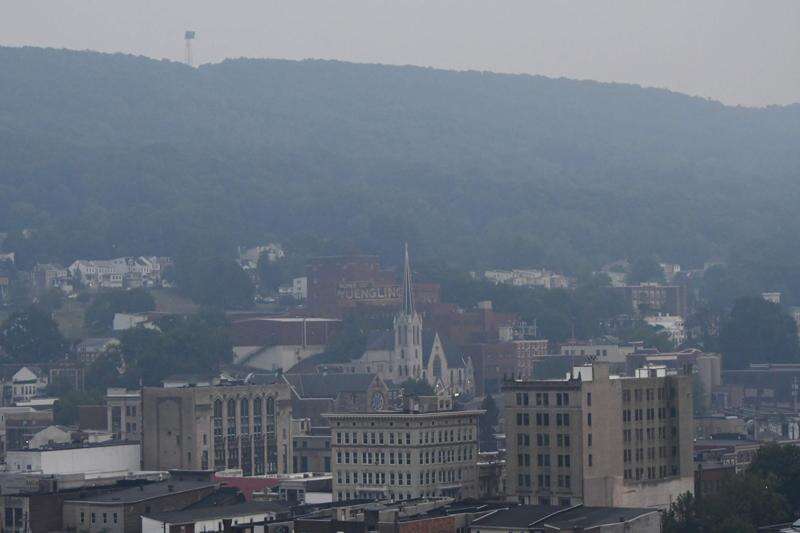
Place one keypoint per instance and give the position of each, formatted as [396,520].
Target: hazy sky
[737,51]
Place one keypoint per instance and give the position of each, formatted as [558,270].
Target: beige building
[124,411]
[241,426]
[428,450]
[600,440]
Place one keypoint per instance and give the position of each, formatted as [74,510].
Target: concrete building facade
[600,440]
[241,426]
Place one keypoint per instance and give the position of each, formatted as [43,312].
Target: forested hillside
[104,155]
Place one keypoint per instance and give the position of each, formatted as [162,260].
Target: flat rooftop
[188,516]
[144,492]
[524,516]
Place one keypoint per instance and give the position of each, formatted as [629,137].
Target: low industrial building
[120,511]
[541,518]
[213,518]
[102,459]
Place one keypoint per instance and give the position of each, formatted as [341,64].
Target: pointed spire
[408,292]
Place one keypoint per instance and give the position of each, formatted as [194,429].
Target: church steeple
[407,357]
[408,288]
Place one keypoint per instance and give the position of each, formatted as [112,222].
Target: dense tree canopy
[32,336]
[108,155]
[198,344]
[758,331]
[214,281]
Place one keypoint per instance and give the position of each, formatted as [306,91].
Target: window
[590,459]
[94,518]
[589,399]
[589,419]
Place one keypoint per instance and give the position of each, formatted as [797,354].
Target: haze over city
[741,52]
[372,266]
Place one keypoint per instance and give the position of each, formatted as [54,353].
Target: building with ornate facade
[425,450]
[236,426]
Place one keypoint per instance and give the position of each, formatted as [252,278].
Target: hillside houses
[120,273]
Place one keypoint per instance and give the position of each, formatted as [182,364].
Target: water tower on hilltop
[189,37]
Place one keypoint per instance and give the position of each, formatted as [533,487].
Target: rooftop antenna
[189,37]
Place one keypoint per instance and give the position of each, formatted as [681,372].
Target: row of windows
[543,398]
[647,394]
[461,453]
[564,481]
[638,454]
[390,438]
[543,419]
[543,439]
[639,473]
[104,516]
[543,460]
[651,433]
[427,477]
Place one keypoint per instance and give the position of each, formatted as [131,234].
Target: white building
[92,460]
[599,350]
[528,278]
[672,324]
[27,384]
[118,273]
[248,258]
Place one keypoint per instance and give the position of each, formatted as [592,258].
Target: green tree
[32,336]
[99,316]
[487,423]
[783,462]
[52,300]
[417,387]
[683,516]
[198,344]
[271,274]
[651,336]
[758,331]
[645,268]
[350,342]
[65,410]
[214,281]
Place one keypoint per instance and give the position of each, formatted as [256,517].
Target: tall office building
[598,439]
[426,450]
[238,426]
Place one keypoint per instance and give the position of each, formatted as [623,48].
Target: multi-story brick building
[600,440]
[649,297]
[239,426]
[426,450]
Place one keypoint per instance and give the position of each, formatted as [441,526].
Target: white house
[27,384]
[672,324]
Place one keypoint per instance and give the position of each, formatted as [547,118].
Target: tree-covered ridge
[107,155]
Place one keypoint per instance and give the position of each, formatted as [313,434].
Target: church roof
[329,385]
[380,340]
[451,352]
